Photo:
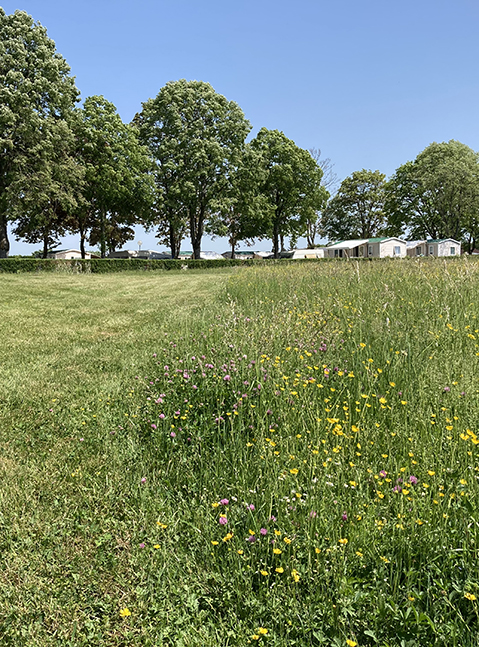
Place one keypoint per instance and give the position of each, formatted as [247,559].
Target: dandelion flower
[280,569]
[125,612]
[470,596]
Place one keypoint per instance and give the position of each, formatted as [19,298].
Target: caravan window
[397,251]
[453,251]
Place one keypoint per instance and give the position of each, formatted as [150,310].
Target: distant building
[67,254]
[211,256]
[429,247]
[368,248]
[124,253]
[262,255]
[315,252]
[145,254]
[245,255]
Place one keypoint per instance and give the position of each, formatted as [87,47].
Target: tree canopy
[195,136]
[242,209]
[437,195]
[118,188]
[357,209]
[291,185]
[35,88]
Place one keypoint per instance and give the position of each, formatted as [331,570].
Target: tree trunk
[196,248]
[102,234]
[232,241]
[45,244]
[281,237]
[196,229]
[311,235]
[175,251]
[82,242]
[4,244]
[276,240]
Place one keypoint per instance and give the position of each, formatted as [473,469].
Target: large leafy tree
[118,189]
[195,136]
[242,212]
[437,195]
[35,88]
[357,209]
[52,192]
[291,185]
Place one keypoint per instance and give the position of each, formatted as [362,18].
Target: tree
[52,191]
[357,209]
[329,181]
[118,188]
[437,195]
[35,85]
[291,185]
[242,211]
[194,136]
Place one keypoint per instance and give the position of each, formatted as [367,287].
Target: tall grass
[292,461]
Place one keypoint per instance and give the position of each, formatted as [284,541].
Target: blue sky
[369,83]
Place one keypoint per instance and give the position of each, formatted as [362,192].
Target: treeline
[183,167]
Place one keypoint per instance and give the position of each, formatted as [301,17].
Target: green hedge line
[17,265]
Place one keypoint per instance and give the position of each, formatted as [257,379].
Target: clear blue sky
[369,83]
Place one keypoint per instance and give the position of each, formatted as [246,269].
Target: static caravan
[347,249]
[316,252]
[66,254]
[416,248]
[368,248]
[386,247]
[444,247]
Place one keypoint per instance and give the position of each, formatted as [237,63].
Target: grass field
[282,455]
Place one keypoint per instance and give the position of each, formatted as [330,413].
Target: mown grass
[282,455]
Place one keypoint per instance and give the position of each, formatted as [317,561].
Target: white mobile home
[368,248]
[316,252]
[66,254]
[443,247]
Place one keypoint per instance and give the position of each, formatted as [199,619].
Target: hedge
[19,264]
[16,265]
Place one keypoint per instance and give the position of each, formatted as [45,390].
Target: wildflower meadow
[272,455]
